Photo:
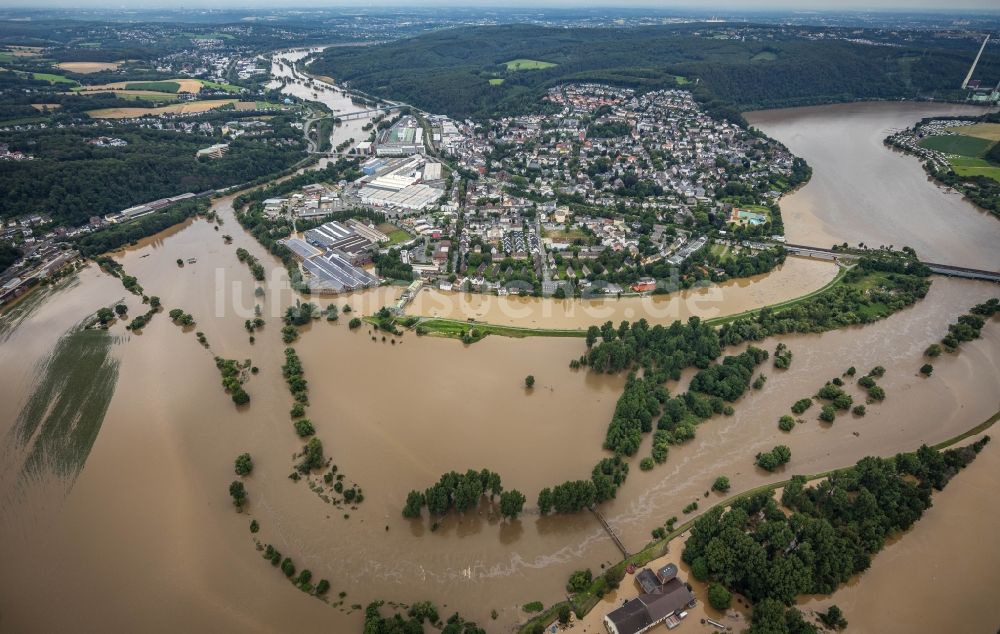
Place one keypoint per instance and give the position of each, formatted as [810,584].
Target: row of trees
[256,268]
[464,492]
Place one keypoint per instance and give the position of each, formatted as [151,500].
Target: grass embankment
[583,602]
[456,328]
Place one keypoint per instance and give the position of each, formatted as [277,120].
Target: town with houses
[607,193]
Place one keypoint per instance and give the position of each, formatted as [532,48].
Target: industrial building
[332,273]
[403,139]
[399,183]
[333,253]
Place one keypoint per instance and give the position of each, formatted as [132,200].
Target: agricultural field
[85,68]
[988,131]
[190,107]
[958,144]
[214,85]
[764,56]
[53,78]
[154,86]
[192,86]
[968,166]
[528,64]
[496,81]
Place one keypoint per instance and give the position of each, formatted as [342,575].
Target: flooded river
[296,83]
[146,538]
[862,192]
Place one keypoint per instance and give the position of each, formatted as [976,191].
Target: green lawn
[957,144]
[682,81]
[764,56]
[157,86]
[266,105]
[528,64]
[218,86]
[52,78]
[965,166]
[496,81]
[162,98]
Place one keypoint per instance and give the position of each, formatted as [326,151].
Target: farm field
[177,108]
[87,67]
[528,64]
[183,85]
[967,166]
[989,131]
[496,81]
[957,144]
[53,78]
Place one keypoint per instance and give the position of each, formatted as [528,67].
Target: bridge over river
[939,269]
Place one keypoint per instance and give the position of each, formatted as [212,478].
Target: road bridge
[938,269]
[363,114]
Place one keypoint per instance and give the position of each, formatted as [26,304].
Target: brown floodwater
[948,563]
[861,191]
[146,538]
[796,277]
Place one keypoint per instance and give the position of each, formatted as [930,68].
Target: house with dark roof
[650,608]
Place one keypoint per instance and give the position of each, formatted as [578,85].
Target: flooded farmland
[148,528]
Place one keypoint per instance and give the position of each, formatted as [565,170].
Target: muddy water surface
[147,537]
[861,191]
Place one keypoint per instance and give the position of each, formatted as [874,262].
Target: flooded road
[861,191]
[148,526]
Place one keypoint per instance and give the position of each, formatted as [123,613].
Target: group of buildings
[400,185]
[334,254]
[664,599]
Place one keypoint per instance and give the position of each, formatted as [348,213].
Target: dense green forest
[833,531]
[72,180]
[449,71]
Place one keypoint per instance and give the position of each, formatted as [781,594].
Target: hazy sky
[796,5]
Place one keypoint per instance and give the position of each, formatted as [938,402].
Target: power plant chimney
[968,77]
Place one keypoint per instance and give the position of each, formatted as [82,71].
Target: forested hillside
[450,71]
[72,180]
